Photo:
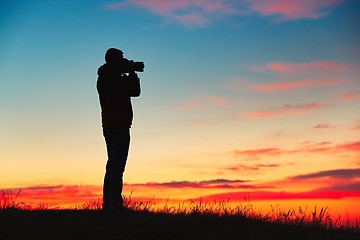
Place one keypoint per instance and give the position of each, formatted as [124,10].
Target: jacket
[115,90]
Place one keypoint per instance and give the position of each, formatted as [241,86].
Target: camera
[132,66]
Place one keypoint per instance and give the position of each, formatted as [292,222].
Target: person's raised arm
[134,85]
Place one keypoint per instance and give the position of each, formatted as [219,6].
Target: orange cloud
[294,9]
[269,87]
[58,195]
[331,184]
[285,110]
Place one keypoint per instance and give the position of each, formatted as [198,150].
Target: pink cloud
[285,110]
[256,167]
[257,152]
[304,148]
[352,146]
[185,12]
[328,147]
[307,67]
[203,12]
[323,126]
[277,86]
[354,95]
[294,9]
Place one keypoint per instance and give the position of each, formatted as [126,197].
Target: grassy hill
[142,221]
[94,224]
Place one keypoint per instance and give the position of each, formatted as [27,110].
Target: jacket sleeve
[134,85]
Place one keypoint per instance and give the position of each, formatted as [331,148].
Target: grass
[146,220]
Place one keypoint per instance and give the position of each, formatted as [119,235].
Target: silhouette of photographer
[117,83]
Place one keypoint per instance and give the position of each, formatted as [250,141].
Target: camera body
[131,66]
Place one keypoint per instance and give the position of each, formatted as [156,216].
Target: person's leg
[123,136]
[117,144]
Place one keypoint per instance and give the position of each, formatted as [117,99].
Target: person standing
[116,85]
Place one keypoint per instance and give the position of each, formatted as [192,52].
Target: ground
[94,224]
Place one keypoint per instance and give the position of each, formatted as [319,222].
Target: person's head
[113,55]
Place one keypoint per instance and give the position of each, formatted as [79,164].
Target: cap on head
[113,54]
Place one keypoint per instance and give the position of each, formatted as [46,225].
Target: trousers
[117,146]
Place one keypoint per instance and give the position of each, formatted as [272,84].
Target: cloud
[216,183]
[303,148]
[281,195]
[256,167]
[58,195]
[338,174]
[185,12]
[330,184]
[259,152]
[216,99]
[323,126]
[355,186]
[205,12]
[328,147]
[327,180]
[41,188]
[277,86]
[351,96]
[282,111]
[315,67]
[314,71]
[294,9]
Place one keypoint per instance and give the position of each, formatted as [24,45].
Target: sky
[248,99]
